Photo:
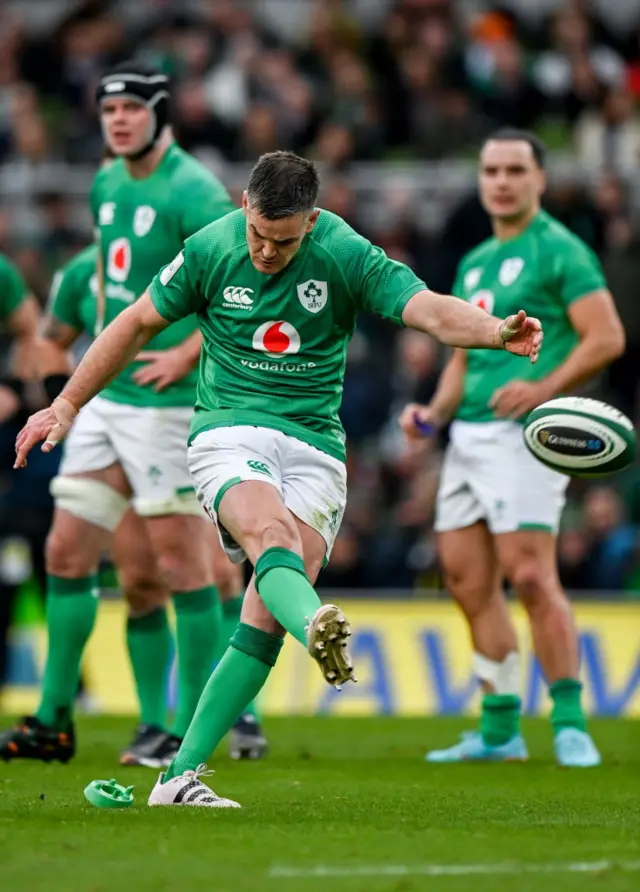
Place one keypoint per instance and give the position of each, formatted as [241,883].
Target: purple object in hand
[424,426]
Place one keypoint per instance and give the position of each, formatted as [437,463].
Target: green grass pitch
[340,804]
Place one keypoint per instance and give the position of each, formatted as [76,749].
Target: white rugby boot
[188,789]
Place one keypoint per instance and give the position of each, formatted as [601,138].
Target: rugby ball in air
[580,437]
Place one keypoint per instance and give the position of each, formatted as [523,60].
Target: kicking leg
[255,646]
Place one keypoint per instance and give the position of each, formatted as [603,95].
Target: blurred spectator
[339,198]
[448,123]
[610,138]
[61,238]
[611,198]
[496,66]
[569,202]
[572,557]
[464,229]
[571,74]
[347,568]
[602,554]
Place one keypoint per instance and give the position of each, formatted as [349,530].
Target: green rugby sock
[237,679]
[231,611]
[288,595]
[150,647]
[567,711]
[72,606]
[500,718]
[198,616]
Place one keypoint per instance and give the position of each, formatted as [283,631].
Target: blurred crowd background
[393,98]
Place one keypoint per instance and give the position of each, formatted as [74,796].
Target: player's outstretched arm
[109,354]
[459,324]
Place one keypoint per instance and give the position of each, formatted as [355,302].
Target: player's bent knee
[534,583]
[468,591]
[89,500]
[277,532]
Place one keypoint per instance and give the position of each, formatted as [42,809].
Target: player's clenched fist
[51,425]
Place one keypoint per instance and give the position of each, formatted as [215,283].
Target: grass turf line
[344,793]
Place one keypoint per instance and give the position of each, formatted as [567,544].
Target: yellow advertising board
[412,658]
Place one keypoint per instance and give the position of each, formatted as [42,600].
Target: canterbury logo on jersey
[236,297]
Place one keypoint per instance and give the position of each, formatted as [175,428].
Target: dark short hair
[283,184]
[513,134]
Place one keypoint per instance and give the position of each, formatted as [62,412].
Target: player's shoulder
[109,175]
[8,266]
[330,226]
[186,171]
[335,238]
[554,236]
[225,234]
[82,262]
[10,274]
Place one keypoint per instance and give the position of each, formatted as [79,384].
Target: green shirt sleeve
[380,284]
[65,296]
[13,289]
[175,291]
[576,272]
[202,202]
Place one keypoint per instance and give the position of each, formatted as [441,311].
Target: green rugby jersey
[542,270]
[142,224]
[13,289]
[72,297]
[275,346]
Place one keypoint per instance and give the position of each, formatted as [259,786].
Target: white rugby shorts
[149,443]
[489,474]
[313,485]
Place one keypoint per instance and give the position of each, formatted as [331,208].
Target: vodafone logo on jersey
[119,262]
[276,339]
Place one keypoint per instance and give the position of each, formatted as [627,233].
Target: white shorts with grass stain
[312,484]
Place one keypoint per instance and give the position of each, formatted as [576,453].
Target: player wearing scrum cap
[129,445]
